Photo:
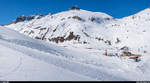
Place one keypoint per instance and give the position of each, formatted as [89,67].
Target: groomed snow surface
[26,59]
[22,63]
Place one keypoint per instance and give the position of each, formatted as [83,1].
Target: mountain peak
[74,8]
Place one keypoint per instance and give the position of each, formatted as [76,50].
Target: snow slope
[23,49]
[133,31]
[16,66]
[19,66]
[29,59]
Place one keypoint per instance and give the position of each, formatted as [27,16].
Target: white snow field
[19,63]
[76,41]
[23,58]
[16,66]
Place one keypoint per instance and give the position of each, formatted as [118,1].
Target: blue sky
[10,9]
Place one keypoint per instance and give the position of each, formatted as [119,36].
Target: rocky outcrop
[26,18]
[74,8]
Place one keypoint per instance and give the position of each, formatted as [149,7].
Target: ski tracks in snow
[13,66]
[80,68]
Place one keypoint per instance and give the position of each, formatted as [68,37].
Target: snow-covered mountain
[77,26]
[75,47]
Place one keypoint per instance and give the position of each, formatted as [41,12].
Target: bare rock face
[19,19]
[26,18]
[77,18]
[62,39]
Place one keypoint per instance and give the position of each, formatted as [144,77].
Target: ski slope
[19,66]
[56,55]
[24,58]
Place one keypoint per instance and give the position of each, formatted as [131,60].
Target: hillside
[27,59]
[75,26]
[91,29]
[20,62]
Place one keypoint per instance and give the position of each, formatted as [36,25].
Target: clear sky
[10,9]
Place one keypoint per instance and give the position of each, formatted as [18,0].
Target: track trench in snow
[80,68]
[15,68]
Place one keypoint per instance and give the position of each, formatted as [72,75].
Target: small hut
[129,55]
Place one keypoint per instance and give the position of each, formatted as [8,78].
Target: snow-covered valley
[76,41]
